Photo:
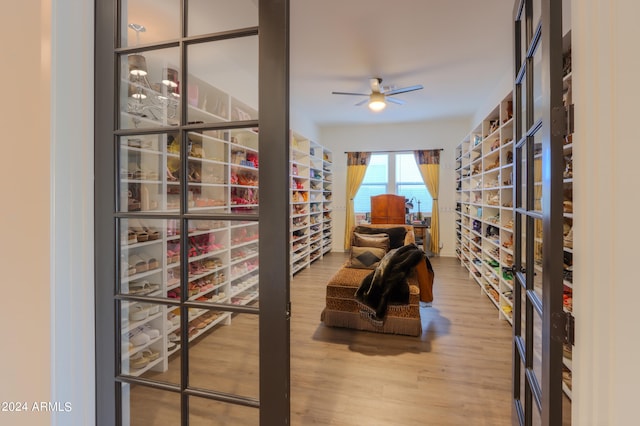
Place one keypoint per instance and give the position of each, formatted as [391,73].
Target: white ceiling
[459,50]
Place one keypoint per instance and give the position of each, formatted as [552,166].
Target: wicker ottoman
[342,309]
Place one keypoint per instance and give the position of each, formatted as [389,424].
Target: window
[393,173]
[374,183]
[410,184]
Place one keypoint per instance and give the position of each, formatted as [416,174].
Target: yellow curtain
[429,165]
[357,163]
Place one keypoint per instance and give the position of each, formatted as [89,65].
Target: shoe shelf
[241,286]
[142,341]
[222,176]
[310,201]
[326,245]
[245,298]
[206,291]
[484,204]
[300,254]
[299,265]
[146,366]
[173,347]
[217,318]
[243,269]
[137,349]
[129,325]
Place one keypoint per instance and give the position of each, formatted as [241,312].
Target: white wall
[25,213]
[605,201]
[47,212]
[303,126]
[72,272]
[396,137]
[501,90]
[26,233]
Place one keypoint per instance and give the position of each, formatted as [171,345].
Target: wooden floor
[457,373]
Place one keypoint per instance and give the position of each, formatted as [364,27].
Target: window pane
[418,195]
[211,16]
[378,169]
[147,98]
[407,169]
[145,21]
[410,184]
[374,182]
[228,90]
[362,201]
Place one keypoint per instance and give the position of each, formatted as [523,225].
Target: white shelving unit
[568,219]
[311,201]
[484,205]
[484,216]
[327,200]
[222,177]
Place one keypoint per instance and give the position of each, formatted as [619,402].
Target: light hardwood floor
[457,373]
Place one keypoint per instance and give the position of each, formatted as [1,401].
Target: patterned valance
[429,156]
[358,158]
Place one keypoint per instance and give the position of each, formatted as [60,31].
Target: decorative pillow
[365,257]
[396,234]
[371,240]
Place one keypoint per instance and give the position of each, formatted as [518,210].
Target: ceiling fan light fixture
[377,102]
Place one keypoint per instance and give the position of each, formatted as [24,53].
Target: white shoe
[138,338]
[151,332]
[138,313]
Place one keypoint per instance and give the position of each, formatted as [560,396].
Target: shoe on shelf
[567,351]
[494,219]
[138,313]
[138,338]
[150,355]
[138,361]
[567,206]
[568,239]
[153,333]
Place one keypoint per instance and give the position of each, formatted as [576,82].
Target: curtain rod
[399,150]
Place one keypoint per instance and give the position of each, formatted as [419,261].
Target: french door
[539,321]
[191,161]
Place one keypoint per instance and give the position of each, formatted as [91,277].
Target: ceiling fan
[379,94]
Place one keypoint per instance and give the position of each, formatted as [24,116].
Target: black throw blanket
[388,282]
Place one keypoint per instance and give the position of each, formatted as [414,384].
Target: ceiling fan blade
[349,93]
[404,90]
[395,101]
[362,102]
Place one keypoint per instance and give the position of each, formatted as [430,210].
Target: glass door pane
[186,329]
[539,195]
[148,89]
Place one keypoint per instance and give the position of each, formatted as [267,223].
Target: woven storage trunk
[342,309]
